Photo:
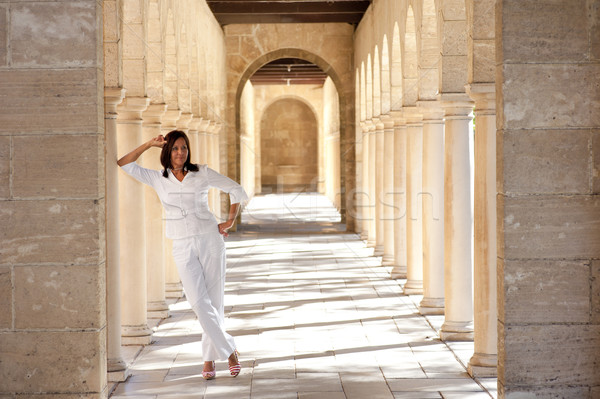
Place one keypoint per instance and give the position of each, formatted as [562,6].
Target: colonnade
[142,277]
[422,212]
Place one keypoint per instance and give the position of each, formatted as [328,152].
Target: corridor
[314,316]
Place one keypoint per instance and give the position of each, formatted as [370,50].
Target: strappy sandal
[209,375]
[236,368]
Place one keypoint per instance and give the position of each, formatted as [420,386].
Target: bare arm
[225,226]
[132,156]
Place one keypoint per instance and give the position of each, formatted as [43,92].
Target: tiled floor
[314,317]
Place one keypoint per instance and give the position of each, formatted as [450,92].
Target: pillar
[414,225]
[203,142]
[364,191]
[458,322]
[173,287]
[372,186]
[193,136]
[183,123]
[155,262]
[116,366]
[378,193]
[484,361]
[134,321]
[433,208]
[399,269]
[387,198]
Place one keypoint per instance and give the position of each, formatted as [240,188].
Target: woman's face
[179,153]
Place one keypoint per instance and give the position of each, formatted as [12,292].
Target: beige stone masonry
[399,270]
[378,193]
[387,198]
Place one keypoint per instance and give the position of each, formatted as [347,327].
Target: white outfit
[198,247]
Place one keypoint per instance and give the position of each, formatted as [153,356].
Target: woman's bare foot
[234,364]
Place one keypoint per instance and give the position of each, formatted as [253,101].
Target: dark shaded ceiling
[289,71]
[287,11]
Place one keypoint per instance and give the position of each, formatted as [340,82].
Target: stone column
[134,320]
[183,123]
[378,193]
[414,224]
[194,141]
[214,163]
[387,198]
[203,142]
[173,287]
[399,269]
[484,361]
[433,208]
[372,234]
[458,262]
[364,192]
[116,366]
[155,262]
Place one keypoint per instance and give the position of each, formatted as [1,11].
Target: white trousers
[200,261]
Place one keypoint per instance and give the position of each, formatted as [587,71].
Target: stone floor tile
[417,395]
[434,384]
[321,395]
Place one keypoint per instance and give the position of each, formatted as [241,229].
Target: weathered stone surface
[595,292]
[546,291]
[550,355]
[44,100]
[61,34]
[6,302]
[3,34]
[596,162]
[45,232]
[4,167]
[133,41]
[454,38]
[112,68]
[58,362]
[594,23]
[56,166]
[484,61]
[454,73]
[111,24]
[530,88]
[544,31]
[483,21]
[550,227]
[546,161]
[59,297]
[546,392]
[134,72]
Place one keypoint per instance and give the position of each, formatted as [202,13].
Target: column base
[388,260]
[158,310]
[457,331]
[173,290]
[364,236]
[432,306]
[117,370]
[370,243]
[398,272]
[483,365]
[378,250]
[413,287]
[136,335]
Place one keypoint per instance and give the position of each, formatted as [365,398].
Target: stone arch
[385,77]
[396,71]
[376,83]
[343,101]
[293,97]
[369,89]
[410,71]
[429,52]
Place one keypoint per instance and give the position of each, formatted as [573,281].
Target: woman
[198,246]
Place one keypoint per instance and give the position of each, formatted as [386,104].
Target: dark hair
[165,155]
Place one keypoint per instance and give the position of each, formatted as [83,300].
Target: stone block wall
[548,80]
[52,275]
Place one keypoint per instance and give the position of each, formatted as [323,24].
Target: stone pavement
[314,317]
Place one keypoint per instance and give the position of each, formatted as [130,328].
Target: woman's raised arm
[132,156]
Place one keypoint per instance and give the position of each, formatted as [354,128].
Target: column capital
[184,120]
[377,122]
[195,123]
[432,111]
[398,117]
[484,95]
[169,119]
[413,115]
[215,127]
[112,97]
[131,108]
[203,126]
[456,105]
[388,121]
[154,113]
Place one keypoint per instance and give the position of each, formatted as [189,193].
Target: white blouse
[186,202]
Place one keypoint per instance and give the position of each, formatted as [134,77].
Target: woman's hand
[224,227]
[158,141]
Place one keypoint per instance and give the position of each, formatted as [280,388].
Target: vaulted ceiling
[288,70]
[287,11]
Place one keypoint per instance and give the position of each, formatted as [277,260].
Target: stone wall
[548,74]
[52,244]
